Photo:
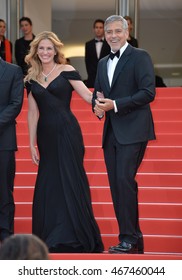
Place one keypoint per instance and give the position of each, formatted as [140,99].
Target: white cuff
[115,107]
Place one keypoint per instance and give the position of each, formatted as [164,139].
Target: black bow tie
[97,41]
[112,55]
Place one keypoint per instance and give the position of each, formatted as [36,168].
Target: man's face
[99,30]
[25,27]
[116,36]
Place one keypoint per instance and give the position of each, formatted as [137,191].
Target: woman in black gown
[62,210]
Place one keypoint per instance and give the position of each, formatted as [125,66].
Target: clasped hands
[102,105]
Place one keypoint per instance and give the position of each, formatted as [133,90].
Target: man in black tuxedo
[127,81]
[11,98]
[95,49]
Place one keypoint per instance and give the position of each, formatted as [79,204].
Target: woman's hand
[35,157]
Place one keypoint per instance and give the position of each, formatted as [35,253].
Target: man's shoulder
[11,66]
[19,40]
[90,41]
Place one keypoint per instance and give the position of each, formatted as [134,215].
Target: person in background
[23,247]
[62,212]
[22,45]
[11,91]
[95,49]
[127,82]
[5,44]
[131,40]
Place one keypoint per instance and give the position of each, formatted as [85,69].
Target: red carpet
[159,178]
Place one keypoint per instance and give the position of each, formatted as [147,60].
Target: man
[11,93]
[95,49]
[5,44]
[22,45]
[131,40]
[126,79]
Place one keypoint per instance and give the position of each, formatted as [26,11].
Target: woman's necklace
[45,76]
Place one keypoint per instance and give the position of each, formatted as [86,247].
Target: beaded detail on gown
[62,210]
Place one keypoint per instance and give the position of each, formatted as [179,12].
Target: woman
[62,211]
[5,44]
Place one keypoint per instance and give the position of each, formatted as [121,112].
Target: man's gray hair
[116,18]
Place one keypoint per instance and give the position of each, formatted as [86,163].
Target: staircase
[159,179]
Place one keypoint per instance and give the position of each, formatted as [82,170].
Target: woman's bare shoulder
[66,67]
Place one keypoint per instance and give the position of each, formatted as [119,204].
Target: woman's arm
[82,90]
[33,115]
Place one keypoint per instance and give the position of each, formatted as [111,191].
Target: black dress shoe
[124,248]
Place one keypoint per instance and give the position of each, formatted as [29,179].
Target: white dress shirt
[111,65]
[98,46]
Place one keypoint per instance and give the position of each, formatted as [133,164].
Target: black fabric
[96,41]
[112,55]
[62,210]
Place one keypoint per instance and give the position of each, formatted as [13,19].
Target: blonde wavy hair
[32,59]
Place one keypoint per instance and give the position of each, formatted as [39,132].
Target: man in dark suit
[127,81]
[95,49]
[11,98]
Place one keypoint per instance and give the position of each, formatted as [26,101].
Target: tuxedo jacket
[11,98]
[91,59]
[133,88]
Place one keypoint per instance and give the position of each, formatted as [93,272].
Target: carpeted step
[105,210]
[101,179]
[163,139]
[109,226]
[96,127]
[98,165]
[96,152]
[103,194]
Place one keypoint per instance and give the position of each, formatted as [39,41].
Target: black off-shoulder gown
[62,211]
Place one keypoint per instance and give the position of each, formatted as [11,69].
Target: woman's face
[2,28]
[46,51]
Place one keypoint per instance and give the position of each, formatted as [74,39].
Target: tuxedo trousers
[7,206]
[122,163]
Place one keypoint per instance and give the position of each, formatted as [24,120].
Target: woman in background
[5,44]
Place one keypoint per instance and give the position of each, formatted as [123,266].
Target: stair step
[106,210]
[96,152]
[168,92]
[98,165]
[101,179]
[97,126]
[158,103]
[167,103]
[102,194]
[163,139]
[110,226]
[107,256]
[88,115]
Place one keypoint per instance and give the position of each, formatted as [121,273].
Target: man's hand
[104,104]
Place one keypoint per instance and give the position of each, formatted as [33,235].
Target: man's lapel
[106,79]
